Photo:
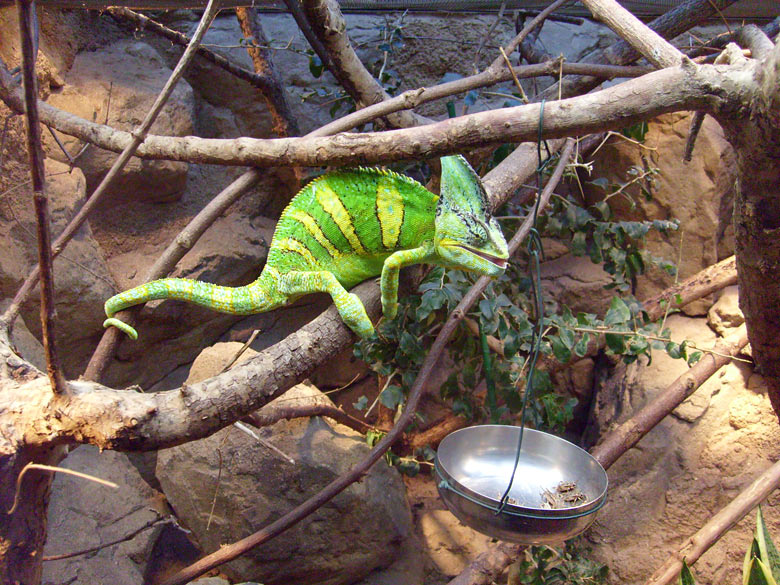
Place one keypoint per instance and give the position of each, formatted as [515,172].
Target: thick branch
[273,92]
[651,45]
[328,25]
[705,88]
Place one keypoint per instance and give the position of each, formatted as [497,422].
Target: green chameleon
[348,226]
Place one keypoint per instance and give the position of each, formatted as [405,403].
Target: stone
[117,85]
[578,283]
[689,192]
[360,530]
[85,514]
[725,315]
[212,360]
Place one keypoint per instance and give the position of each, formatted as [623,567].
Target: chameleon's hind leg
[349,306]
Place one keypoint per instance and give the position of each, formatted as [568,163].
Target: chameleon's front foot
[122,326]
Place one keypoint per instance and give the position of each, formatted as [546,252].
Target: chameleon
[348,226]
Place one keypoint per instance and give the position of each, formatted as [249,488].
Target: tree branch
[259,81]
[695,546]
[705,88]
[328,25]
[273,92]
[27,33]
[647,42]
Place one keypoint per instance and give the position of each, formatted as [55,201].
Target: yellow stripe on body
[293,245]
[314,229]
[390,212]
[331,203]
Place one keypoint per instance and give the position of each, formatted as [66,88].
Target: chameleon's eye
[479,230]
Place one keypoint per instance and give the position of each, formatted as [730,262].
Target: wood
[649,44]
[668,90]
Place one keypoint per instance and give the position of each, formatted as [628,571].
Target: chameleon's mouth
[500,262]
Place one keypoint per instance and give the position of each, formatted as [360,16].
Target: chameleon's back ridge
[343,228]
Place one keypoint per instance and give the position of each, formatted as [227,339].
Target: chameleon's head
[467,236]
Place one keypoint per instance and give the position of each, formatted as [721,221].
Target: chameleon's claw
[122,326]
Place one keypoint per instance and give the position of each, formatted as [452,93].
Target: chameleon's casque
[348,226]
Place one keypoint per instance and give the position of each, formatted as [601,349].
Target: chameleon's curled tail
[242,300]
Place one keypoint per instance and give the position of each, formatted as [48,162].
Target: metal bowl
[474,466]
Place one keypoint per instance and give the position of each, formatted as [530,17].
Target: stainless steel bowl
[474,466]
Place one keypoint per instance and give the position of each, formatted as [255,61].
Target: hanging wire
[535,250]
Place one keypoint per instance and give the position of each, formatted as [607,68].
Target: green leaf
[616,343]
[758,574]
[315,66]
[578,244]
[769,553]
[674,350]
[361,403]
[391,396]
[581,347]
[560,351]
[752,552]
[618,312]
[686,577]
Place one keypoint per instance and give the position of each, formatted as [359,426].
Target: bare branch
[753,38]
[27,30]
[136,138]
[651,45]
[273,92]
[125,538]
[695,546]
[488,566]
[281,412]
[327,23]
[673,89]
[536,21]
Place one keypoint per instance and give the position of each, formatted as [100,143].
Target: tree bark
[756,140]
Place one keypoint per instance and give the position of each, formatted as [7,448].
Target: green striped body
[346,227]
[351,237]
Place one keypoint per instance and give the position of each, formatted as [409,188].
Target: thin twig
[264,442]
[27,28]
[138,137]
[52,468]
[130,536]
[514,77]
